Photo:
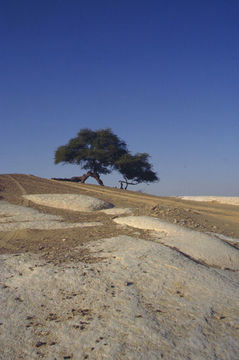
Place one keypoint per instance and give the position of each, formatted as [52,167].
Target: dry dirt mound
[200,247]
[69,201]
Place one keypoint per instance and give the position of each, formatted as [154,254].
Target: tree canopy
[100,152]
[95,151]
[135,169]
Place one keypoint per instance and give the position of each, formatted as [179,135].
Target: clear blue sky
[163,74]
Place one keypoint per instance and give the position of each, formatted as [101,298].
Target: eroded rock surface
[73,202]
[200,247]
[142,301]
[17,217]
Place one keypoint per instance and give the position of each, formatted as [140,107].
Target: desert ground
[90,272]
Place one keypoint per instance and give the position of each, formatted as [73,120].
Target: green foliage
[100,152]
[96,151]
[136,168]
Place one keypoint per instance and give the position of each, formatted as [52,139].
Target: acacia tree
[95,151]
[135,169]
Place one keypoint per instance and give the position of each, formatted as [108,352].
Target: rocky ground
[113,291]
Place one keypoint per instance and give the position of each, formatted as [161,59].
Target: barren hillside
[205,217]
[115,280]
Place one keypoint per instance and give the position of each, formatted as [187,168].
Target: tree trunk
[95,175]
[82,179]
[97,178]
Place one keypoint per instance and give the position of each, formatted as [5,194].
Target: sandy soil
[231,200]
[113,291]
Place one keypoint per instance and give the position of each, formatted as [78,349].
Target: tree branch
[127,183]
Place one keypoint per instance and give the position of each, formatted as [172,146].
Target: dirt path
[21,188]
